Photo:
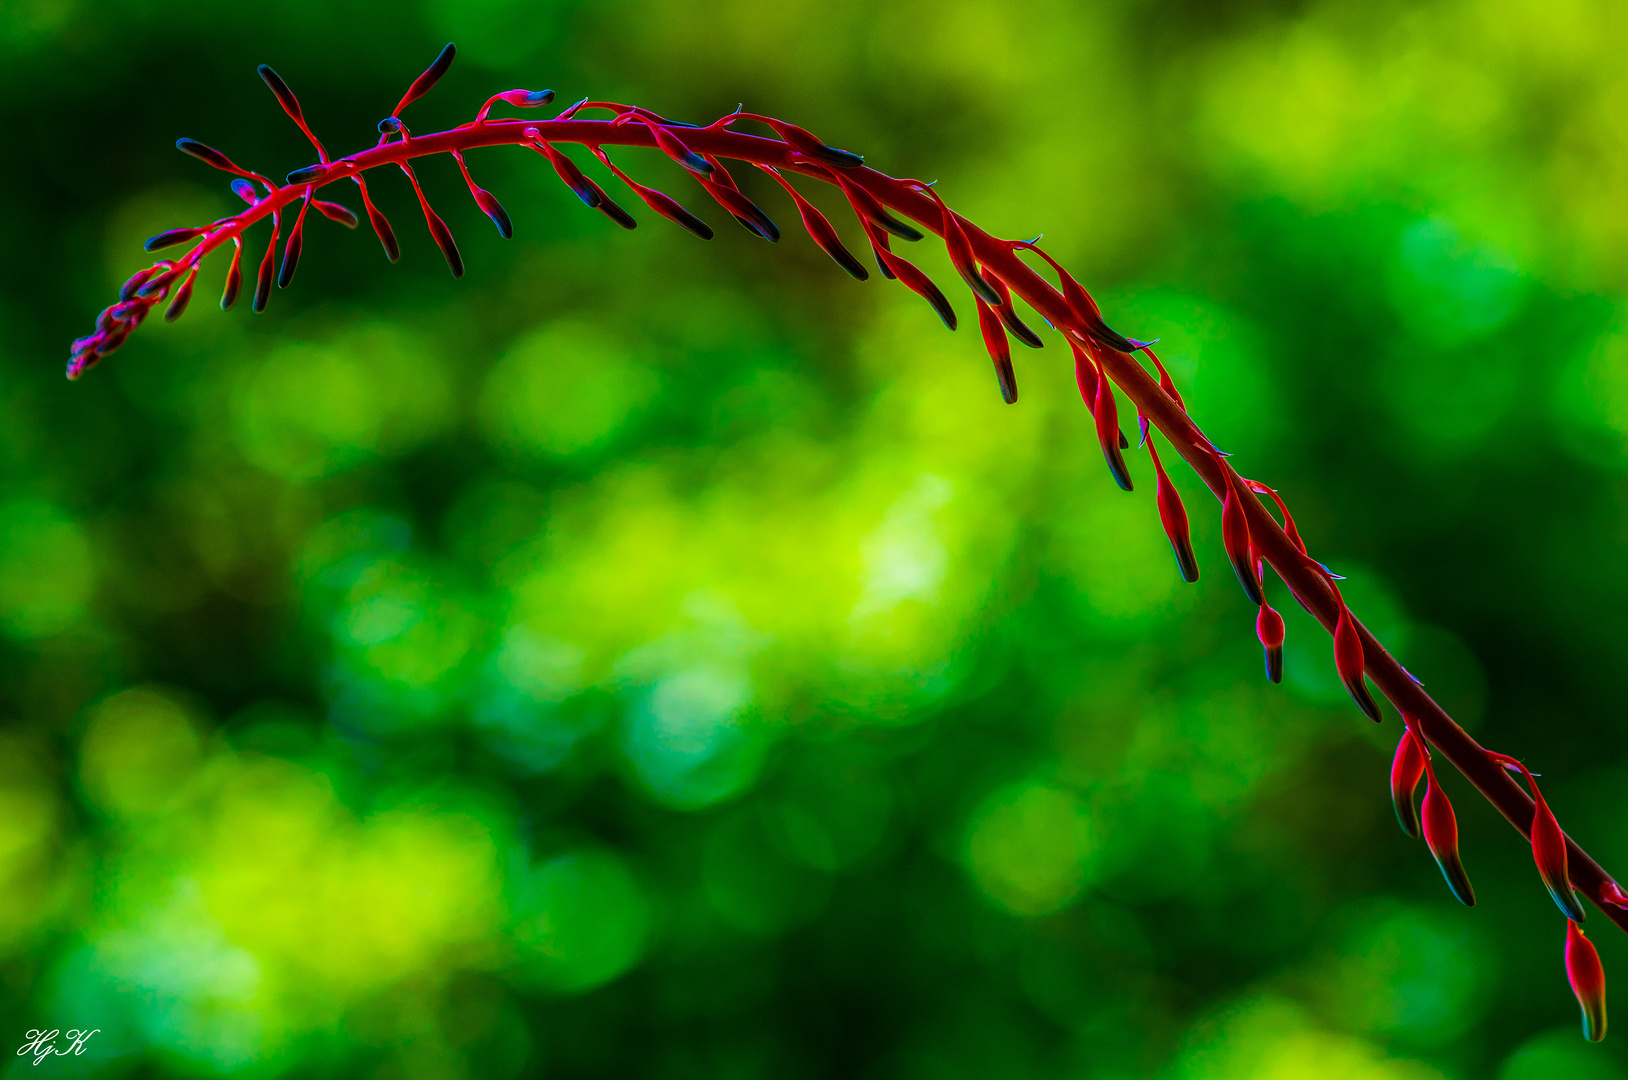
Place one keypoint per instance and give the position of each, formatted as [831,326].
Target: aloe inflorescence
[889,210]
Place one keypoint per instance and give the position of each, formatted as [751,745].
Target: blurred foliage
[655,658]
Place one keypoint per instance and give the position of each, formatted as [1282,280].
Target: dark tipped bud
[1173,516]
[205,154]
[291,255]
[1269,629]
[182,297]
[669,208]
[1441,836]
[285,96]
[535,99]
[1587,977]
[1109,337]
[129,289]
[443,240]
[171,237]
[431,76]
[306,175]
[916,281]
[1349,661]
[1108,433]
[613,210]
[745,211]
[386,235]
[674,148]
[262,281]
[1407,769]
[335,212]
[234,280]
[1235,539]
[389,126]
[245,191]
[494,210]
[820,230]
[1549,852]
[881,264]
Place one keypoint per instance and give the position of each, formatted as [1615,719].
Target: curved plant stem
[1309,582]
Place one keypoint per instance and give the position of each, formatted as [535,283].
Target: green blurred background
[654,658]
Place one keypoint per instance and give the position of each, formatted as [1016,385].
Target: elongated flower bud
[431,76]
[335,212]
[133,285]
[1407,769]
[1549,852]
[819,228]
[171,237]
[305,175]
[1348,660]
[742,209]
[291,106]
[1173,516]
[806,143]
[1440,829]
[675,148]
[291,251]
[1587,977]
[183,296]
[245,191]
[1108,433]
[1000,351]
[565,167]
[611,209]
[234,278]
[1009,315]
[660,202]
[907,273]
[381,224]
[870,209]
[1085,376]
[262,281]
[207,154]
[960,251]
[1269,629]
[1080,303]
[1235,538]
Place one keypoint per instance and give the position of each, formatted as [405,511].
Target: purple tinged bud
[245,191]
[207,155]
[171,237]
[183,296]
[431,76]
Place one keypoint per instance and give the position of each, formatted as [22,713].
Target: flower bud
[1587,977]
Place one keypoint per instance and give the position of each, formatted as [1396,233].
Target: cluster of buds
[994,273]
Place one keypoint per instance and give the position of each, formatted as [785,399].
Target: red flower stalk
[1407,769]
[1587,978]
[887,208]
